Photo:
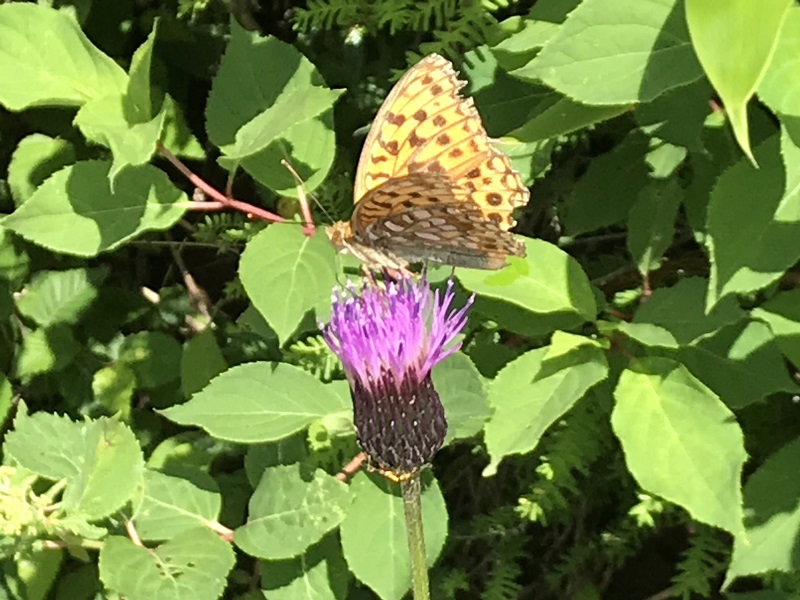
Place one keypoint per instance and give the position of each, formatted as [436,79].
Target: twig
[352,467]
[220,529]
[132,533]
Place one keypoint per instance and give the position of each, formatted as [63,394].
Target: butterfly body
[429,185]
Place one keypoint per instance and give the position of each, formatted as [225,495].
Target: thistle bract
[389,340]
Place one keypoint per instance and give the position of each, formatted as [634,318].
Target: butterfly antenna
[303,194]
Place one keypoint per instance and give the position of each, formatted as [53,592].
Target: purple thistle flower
[389,340]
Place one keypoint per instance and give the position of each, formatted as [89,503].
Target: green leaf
[769,540]
[374,533]
[460,388]
[36,157]
[153,356]
[101,460]
[293,507]
[287,274]
[319,574]
[609,188]
[735,70]
[535,390]
[651,223]
[606,53]
[742,364]
[779,87]
[113,388]
[680,441]
[37,571]
[756,209]
[105,122]
[46,349]
[262,108]
[75,211]
[202,360]
[679,310]
[173,503]
[782,314]
[142,99]
[60,296]
[547,280]
[61,68]
[257,402]
[678,116]
[193,565]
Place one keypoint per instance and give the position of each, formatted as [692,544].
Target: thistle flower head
[389,340]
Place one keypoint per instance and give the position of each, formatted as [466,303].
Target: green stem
[412,506]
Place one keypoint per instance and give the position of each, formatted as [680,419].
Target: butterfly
[429,185]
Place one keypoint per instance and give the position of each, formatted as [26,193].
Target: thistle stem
[412,506]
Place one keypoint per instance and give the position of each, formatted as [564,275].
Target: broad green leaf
[257,402]
[679,310]
[202,360]
[79,583]
[648,334]
[37,571]
[36,157]
[104,121]
[735,70]
[46,349]
[772,502]
[293,507]
[143,100]
[60,296]
[14,261]
[651,223]
[757,210]
[75,211]
[173,503]
[255,111]
[678,116]
[153,356]
[606,53]
[287,451]
[608,189]
[780,87]
[113,387]
[535,390]
[460,388]
[782,314]
[680,441]
[287,274]
[193,565]
[742,364]
[188,449]
[46,60]
[547,280]
[558,115]
[374,533]
[101,460]
[319,574]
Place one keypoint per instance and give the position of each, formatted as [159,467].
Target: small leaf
[680,441]
[606,53]
[193,565]
[46,349]
[651,223]
[679,310]
[61,68]
[202,360]
[735,70]
[536,389]
[757,209]
[75,211]
[257,402]
[374,533]
[287,274]
[153,356]
[460,388]
[101,460]
[782,314]
[35,158]
[292,508]
[547,280]
[60,296]
[113,388]
[172,504]
[769,540]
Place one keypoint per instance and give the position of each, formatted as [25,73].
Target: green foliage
[174,425]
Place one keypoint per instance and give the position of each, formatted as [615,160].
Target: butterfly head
[339,233]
